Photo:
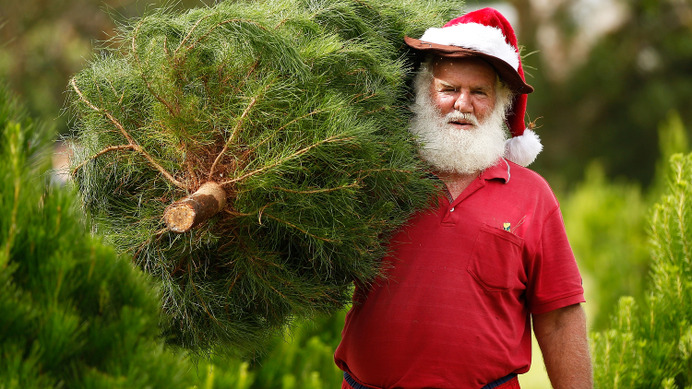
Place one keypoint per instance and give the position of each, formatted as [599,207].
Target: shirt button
[451,210]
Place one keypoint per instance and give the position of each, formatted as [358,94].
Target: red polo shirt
[463,279]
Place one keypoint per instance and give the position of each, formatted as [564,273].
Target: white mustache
[457,116]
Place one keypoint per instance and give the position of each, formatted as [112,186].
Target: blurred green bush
[649,343]
[72,313]
[605,223]
[302,358]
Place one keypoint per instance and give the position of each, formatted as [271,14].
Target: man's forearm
[564,344]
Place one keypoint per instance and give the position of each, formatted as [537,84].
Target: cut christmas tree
[253,156]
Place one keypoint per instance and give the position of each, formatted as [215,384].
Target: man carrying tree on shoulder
[465,279]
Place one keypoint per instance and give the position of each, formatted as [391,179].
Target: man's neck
[457,182]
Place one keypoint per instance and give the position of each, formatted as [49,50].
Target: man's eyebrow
[445,84]
[483,88]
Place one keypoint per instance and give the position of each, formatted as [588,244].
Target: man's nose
[463,102]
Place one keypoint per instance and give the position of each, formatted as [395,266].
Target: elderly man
[466,279]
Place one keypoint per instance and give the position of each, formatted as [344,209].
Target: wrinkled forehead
[455,71]
[453,65]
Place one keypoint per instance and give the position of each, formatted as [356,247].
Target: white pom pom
[523,149]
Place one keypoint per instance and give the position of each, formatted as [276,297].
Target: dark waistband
[355,385]
[501,381]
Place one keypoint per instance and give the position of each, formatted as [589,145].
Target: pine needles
[73,313]
[297,109]
[650,344]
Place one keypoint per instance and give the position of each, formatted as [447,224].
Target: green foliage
[605,222]
[297,108]
[302,357]
[672,139]
[305,357]
[72,313]
[616,352]
[651,346]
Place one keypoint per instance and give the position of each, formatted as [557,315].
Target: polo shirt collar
[500,171]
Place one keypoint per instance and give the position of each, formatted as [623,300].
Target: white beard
[454,150]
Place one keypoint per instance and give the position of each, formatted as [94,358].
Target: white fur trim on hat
[523,149]
[479,37]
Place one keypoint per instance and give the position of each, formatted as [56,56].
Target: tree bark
[196,208]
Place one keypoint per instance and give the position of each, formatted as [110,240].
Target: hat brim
[506,72]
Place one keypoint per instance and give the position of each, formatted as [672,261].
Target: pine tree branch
[201,38]
[235,280]
[97,109]
[13,221]
[100,153]
[260,275]
[15,155]
[680,224]
[238,125]
[404,171]
[322,190]
[172,110]
[155,236]
[261,212]
[300,229]
[278,130]
[189,33]
[199,297]
[288,158]
[115,92]
[165,46]
[127,136]
[236,213]
[680,211]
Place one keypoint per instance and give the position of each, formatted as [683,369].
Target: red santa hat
[486,33]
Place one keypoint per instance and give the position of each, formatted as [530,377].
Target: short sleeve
[554,280]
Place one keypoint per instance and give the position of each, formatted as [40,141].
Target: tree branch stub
[196,208]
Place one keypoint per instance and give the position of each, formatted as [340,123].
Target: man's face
[459,115]
[464,85]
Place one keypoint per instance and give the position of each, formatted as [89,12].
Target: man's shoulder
[528,181]
[523,173]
